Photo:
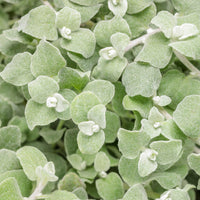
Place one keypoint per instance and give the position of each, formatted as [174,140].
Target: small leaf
[166,22]
[47,60]
[194,162]
[87,12]
[39,114]
[145,83]
[118,8]
[51,136]
[82,42]
[87,2]
[110,70]
[139,22]
[88,127]
[81,105]
[138,103]
[136,192]
[112,126]
[10,137]
[90,144]
[76,161]
[156,46]
[120,41]
[168,151]
[72,79]
[145,165]
[42,88]
[104,90]
[62,195]
[185,118]
[9,189]
[8,160]
[101,162]
[132,142]
[18,72]
[98,115]
[40,23]
[136,6]
[110,188]
[110,27]
[69,18]
[30,158]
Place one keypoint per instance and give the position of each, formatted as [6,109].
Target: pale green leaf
[39,114]
[42,88]
[116,24]
[30,158]
[9,190]
[110,188]
[82,42]
[103,89]
[185,117]
[132,142]
[87,2]
[110,70]
[118,8]
[101,162]
[69,18]
[18,72]
[41,23]
[194,162]
[90,144]
[156,46]
[47,60]
[62,195]
[141,80]
[81,104]
[136,6]
[10,137]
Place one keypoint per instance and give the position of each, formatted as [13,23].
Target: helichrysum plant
[99,99]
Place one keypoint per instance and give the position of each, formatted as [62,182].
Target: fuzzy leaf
[155,46]
[116,24]
[185,118]
[10,137]
[47,60]
[90,144]
[194,162]
[141,80]
[168,151]
[110,188]
[40,23]
[9,189]
[30,158]
[136,6]
[18,72]
[83,42]
[119,9]
[101,162]
[39,114]
[132,142]
[81,105]
[42,88]
[62,195]
[110,70]
[104,90]
[69,18]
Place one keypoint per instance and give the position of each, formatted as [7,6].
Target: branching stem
[141,39]
[46,2]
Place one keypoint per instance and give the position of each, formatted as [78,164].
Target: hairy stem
[187,63]
[164,112]
[36,192]
[60,125]
[141,39]
[46,2]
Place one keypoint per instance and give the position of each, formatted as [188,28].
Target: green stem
[60,125]
[46,2]
[164,112]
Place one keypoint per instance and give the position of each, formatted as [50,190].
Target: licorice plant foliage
[99,99]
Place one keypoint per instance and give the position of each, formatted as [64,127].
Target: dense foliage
[99,99]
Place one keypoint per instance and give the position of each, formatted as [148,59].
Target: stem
[141,39]
[37,192]
[45,2]
[60,125]
[187,63]
[164,112]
